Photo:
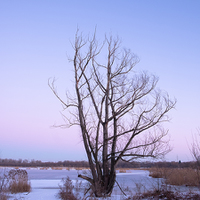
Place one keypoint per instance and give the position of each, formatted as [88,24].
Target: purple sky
[35,41]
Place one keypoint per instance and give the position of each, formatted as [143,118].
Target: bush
[19,186]
[3,196]
[18,181]
[168,192]
[66,191]
[186,177]
[3,184]
[165,194]
[176,176]
[160,172]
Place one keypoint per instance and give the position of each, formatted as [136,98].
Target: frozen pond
[45,183]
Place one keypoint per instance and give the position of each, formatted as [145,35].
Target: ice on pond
[45,183]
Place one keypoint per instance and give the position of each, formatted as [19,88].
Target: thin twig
[121,188]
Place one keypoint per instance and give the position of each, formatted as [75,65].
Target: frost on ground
[45,185]
[41,190]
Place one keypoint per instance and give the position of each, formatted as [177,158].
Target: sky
[35,42]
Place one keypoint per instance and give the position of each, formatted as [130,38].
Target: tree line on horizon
[85,164]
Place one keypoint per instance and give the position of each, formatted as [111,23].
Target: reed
[177,176]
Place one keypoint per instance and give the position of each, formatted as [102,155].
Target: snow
[39,194]
[41,190]
[45,183]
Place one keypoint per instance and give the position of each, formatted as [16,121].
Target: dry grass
[122,171]
[3,197]
[177,176]
[165,194]
[164,191]
[19,186]
[57,168]
[155,194]
[66,191]
[44,168]
[13,181]
[18,181]
[157,172]
[3,185]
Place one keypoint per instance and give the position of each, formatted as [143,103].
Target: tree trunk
[100,189]
[113,107]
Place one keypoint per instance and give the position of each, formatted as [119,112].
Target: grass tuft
[177,176]
[19,186]
[18,181]
[66,190]
[3,197]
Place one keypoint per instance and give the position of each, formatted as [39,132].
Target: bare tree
[119,111]
[195,147]
[195,152]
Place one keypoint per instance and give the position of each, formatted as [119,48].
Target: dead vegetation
[18,181]
[3,197]
[13,181]
[165,194]
[162,189]
[177,176]
[122,171]
[68,191]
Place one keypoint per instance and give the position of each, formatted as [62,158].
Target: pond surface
[45,183]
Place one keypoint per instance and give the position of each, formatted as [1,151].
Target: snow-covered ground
[45,183]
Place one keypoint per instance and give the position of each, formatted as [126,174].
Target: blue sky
[35,40]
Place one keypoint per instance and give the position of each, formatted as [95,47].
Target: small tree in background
[195,151]
[119,110]
[195,147]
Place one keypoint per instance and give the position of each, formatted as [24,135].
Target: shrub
[19,186]
[3,184]
[165,192]
[176,176]
[185,176]
[66,190]
[122,171]
[3,196]
[155,173]
[18,181]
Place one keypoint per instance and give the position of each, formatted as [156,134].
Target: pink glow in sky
[35,41]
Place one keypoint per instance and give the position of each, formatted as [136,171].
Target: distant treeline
[84,164]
